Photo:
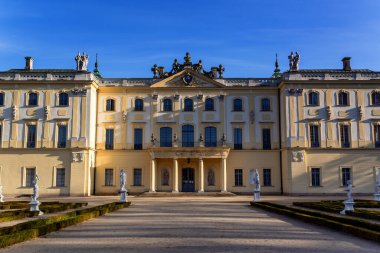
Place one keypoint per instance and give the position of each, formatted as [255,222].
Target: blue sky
[244,35]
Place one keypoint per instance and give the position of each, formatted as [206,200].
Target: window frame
[315,142]
[237,105]
[110,145]
[347,94]
[238,178]
[343,178]
[188,105]
[36,99]
[209,108]
[345,144]
[59,143]
[137,177]
[187,141]
[60,99]
[375,98]
[376,135]
[313,183]
[110,107]
[265,182]
[58,181]
[139,107]
[238,138]
[265,107]
[167,105]
[266,145]
[313,95]
[111,179]
[165,141]
[209,134]
[137,145]
[29,183]
[28,135]
[2,98]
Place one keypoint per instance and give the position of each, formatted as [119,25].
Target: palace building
[189,130]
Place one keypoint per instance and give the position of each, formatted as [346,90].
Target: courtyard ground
[194,224]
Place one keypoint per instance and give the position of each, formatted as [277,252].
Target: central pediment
[187,78]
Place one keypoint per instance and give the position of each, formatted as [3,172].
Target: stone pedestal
[34,206]
[348,206]
[256,196]
[377,196]
[123,196]
[1,194]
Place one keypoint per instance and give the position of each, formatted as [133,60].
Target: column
[153,176]
[223,167]
[201,176]
[175,175]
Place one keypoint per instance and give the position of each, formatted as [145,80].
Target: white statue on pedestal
[255,180]
[349,203]
[34,203]
[123,190]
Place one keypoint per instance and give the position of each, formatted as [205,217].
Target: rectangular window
[108,177]
[109,138]
[238,138]
[267,174]
[377,136]
[138,139]
[30,175]
[60,177]
[62,133]
[314,136]
[31,139]
[137,177]
[1,134]
[346,176]
[344,136]
[315,176]
[266,139]
[238,177]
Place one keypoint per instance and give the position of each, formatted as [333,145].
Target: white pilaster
[201,176]
[175,175]
[153,176]
[223,167]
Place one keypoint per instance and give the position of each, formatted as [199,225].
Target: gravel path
[194,224]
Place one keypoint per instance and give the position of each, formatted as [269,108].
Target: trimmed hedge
[363,229]
[32,229]
[336,207]
[47,207]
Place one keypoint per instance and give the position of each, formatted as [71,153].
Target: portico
[188,169]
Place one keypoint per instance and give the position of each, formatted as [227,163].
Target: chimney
[346,63]
[28,63]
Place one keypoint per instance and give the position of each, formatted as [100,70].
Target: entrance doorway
[188,180]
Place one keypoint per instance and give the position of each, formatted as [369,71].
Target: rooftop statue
[294,61]
[158,71]
[82,61]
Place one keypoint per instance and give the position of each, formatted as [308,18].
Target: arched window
[313,98]
[110,105]
[1,98]
[33,99]
[165,136]
[210,136]
[265,104]
[375,98]
[187,136]
[209,104]
[168,105]
[188,105]
[238,105]
[343,98]
[139,104]
[63,99]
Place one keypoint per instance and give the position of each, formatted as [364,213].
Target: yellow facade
[188,130]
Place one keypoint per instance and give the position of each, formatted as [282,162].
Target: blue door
[188,180]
